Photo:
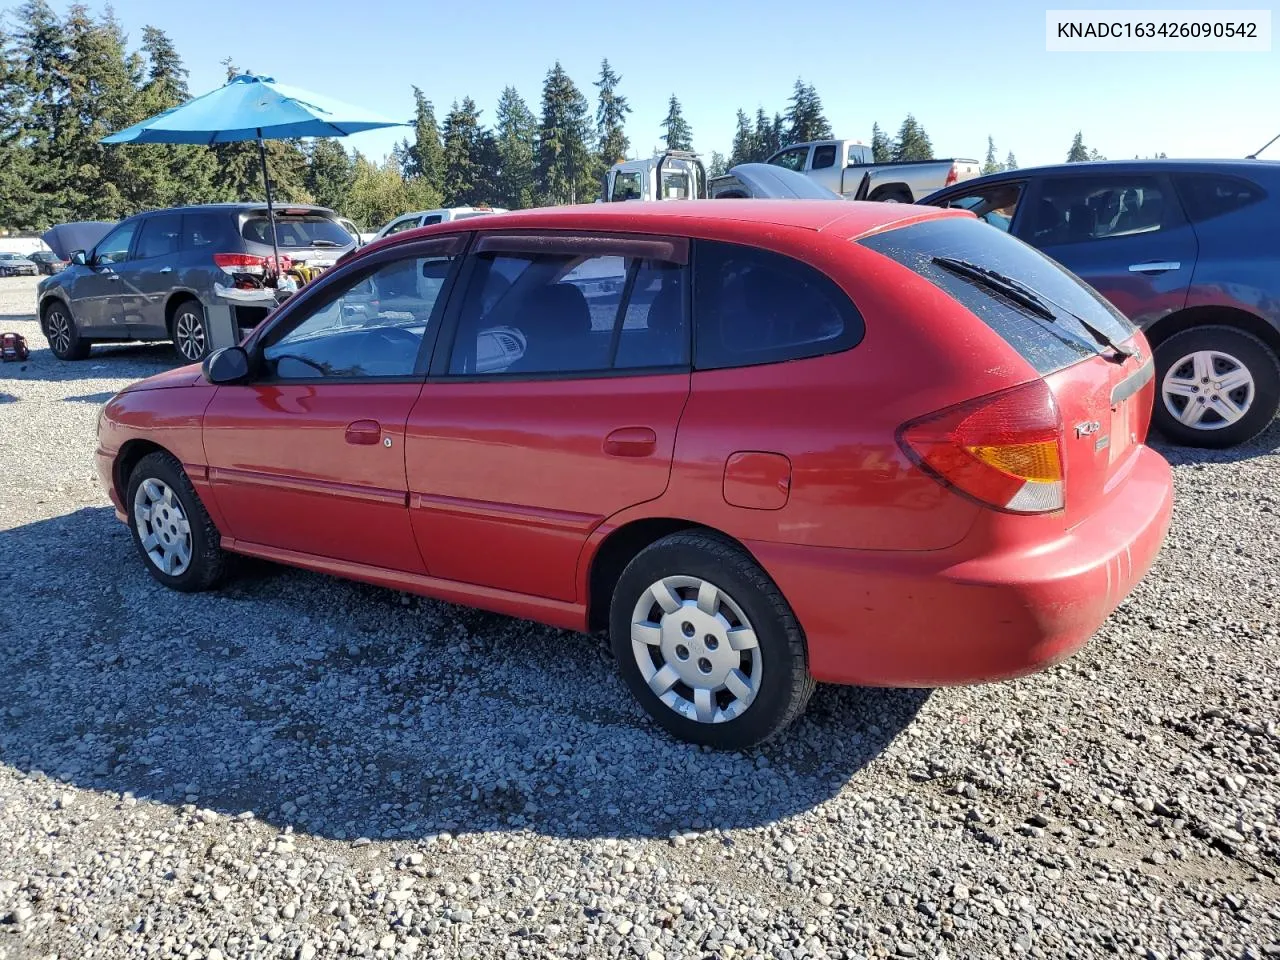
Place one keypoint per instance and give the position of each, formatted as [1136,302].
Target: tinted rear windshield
[296,232]
[1036,339]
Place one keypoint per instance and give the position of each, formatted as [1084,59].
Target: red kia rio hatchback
[761,443]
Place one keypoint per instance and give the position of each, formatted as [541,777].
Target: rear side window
[824,156]
[1073,209]
[201,231]
[1048,345]
[159,237]
[1208,195]
[754,306]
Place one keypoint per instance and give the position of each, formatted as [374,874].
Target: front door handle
[166,269]
[631,442]
[113,277]
[1155,266]
[364,433]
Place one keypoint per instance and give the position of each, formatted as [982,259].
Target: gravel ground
[299,767]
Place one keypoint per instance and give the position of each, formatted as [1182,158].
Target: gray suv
[195,275]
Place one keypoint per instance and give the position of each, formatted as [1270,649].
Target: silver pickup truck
[846,167]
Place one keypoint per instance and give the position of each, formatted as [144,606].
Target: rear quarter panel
[1237,263]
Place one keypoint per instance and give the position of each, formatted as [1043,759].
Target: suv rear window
[1033,337]
[296,232]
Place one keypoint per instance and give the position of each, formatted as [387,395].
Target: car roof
[844,218]
[1121,167]
[238,206]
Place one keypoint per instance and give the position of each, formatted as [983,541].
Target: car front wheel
[63,335]
[178,541]
[707,643]
[1217,386]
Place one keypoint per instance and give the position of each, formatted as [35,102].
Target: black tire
[207,559]
[785,685]
[892,196]
[63,334]
[189,329]
[1246,350]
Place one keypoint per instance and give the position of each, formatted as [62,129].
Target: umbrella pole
[271,213]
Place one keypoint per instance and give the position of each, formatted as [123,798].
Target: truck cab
[673,175]
[848,167]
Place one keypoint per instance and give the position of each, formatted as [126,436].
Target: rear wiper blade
[1006,285]
[325,243]
[1033,299]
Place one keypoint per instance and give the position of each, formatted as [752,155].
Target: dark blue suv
[1187,250]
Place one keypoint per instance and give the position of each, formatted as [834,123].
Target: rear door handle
[1155,266]
[364,433]
[113,277]
[166,269]
[631,442]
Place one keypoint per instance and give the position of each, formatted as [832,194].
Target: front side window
[408,223]
[753,306]
[626,186]
[374,326]
[791,159]
[995,205]
[114,247]
[529,313]
[1074,209]
[160,236]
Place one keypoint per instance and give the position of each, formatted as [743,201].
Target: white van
[424,218]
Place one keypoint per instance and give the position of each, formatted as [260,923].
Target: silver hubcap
[59,331]
[162,527]
[696,649]
[1208,390]
[188,330]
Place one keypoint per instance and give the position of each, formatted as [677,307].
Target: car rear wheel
[63,335]
[1218,386]
[190,332]
[707,643]
[171,529]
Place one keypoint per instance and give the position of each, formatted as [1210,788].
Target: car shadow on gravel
[350,711]
[1265,444]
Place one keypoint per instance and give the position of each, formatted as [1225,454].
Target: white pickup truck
[846,167]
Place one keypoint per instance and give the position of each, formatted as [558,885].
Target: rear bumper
[954,616]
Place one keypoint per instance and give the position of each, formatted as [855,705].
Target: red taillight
[952,176]
[248,263]
[1003,450]
[1145,399]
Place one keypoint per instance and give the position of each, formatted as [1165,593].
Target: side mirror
[228,365]
[78,257]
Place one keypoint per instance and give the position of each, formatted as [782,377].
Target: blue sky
[965,70]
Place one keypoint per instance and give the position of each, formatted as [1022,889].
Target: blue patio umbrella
[253,108]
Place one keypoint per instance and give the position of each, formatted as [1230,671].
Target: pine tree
[762,138]
[1078,153]
[804,117]
[677,135]
[1095,155]
[881,145]
[465,148]
[912,142]
[424,157]
[777,134]
[718,166]
[743,148]
[565,165]
[1011,162]
[41,61]
[611,117]
[991,164]
[516,180]
[330,174]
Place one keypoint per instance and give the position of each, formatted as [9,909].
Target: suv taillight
[1003,450]
[248,263]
